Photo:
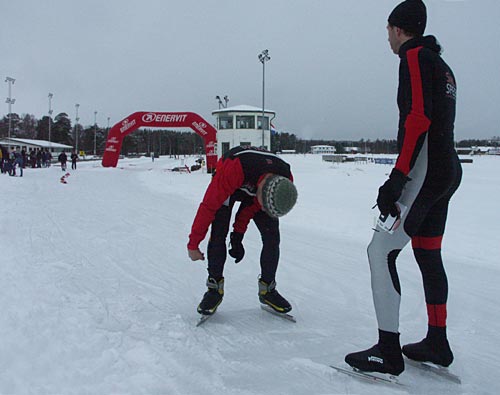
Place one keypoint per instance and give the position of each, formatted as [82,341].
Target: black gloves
[237,251]
[390,192]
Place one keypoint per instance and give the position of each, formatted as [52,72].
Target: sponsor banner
[126,125]
[163,118]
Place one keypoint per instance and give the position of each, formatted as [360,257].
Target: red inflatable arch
[160,120]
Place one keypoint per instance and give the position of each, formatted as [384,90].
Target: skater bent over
[418,191]
[262,182]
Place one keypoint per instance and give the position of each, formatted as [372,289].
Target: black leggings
[270,234]
[427,198]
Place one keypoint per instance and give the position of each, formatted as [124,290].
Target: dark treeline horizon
[177,142]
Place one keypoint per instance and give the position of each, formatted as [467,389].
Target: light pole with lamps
[76,128]
[263,57]
[10,101]
[219,100]
[95,133]
[50,113]
[107,129]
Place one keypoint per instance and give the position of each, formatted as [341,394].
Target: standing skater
[74,158]
[263,182]
[63,158]
[418,191]
[18,161]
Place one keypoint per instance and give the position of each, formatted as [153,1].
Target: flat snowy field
[98,296]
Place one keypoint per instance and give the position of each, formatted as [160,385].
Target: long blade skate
[285,316]
[369,376]
[435,369]
[202,319]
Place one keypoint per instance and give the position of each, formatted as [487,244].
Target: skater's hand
[196,255]
[390,192]
[237,251]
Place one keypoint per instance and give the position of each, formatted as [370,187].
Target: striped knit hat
[279,195]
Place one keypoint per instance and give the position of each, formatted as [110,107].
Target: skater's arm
[228,178]
[244,215]
[419,67]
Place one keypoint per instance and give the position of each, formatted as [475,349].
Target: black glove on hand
[390,192]
[237,251]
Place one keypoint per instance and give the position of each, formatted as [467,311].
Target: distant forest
[171,142]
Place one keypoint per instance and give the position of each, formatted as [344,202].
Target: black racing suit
[426,101]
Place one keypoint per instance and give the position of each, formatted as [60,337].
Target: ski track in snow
[98,295]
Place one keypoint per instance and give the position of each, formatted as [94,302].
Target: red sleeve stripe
[228,178]
[437,314]
[427,243]
[416,122]
[417,95]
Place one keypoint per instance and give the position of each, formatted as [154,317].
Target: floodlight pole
[95,133]
[10,101]
[50,114]
[76,127]
[263,57]
[219,101]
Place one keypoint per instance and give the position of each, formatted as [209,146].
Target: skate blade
[369,376]
[202,319]
[435,369]
[285,316]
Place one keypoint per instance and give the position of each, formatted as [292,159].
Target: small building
[242,125]
[351,150]
[30,144]
[477,150]
[323,149]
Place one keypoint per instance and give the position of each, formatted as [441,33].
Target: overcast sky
[331,73]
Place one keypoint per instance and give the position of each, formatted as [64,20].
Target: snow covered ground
[98,296]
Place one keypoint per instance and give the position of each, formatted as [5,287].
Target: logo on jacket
[451,87]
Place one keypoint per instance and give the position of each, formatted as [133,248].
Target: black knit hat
[411,16]
[279,195]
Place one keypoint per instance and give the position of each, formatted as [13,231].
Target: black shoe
[383,357]
[212,298]
[430,351]
[268,295]
[374,360]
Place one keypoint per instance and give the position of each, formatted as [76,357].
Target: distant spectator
[1,160]
[49,157]
[63,158]
[17,160]
[23,154]
[74,158]
[32,156]
[39,158]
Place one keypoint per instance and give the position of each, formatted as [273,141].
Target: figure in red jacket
[263,183]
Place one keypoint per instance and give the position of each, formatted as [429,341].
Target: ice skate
[213,297]
[430,351]
[268,295]
[383,357]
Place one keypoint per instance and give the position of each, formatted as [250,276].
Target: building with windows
[30,144]
[242,125]
[323,149]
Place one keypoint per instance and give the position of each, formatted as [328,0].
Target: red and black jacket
[241,168]
[426,101]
